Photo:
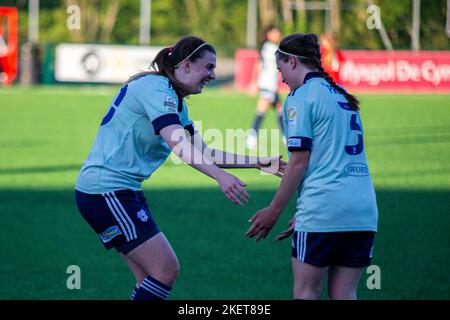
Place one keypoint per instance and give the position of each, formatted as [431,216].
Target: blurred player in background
[336,219]
[148,119]
[332,57]
[265,79]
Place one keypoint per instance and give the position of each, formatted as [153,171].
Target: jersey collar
[308,76]
[311,75]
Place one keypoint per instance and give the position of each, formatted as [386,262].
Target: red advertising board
[376,71]
[424,71]
[8,44]
[244,61]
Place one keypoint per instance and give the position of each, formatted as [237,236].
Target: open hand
[233,188]
[263,222]
[287,233]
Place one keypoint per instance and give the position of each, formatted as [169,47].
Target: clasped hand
[272,165]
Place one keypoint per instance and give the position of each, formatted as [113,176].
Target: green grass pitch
[46,133]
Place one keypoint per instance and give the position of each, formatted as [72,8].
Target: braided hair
[168,59]
[306,48]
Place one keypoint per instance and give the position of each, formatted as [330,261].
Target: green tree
[223,22]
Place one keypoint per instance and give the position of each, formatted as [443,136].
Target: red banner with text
[375,71]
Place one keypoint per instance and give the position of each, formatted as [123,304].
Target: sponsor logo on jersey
[356,169]
[110,233]
[294,142]
[291,115]
[142,215]
[171,104]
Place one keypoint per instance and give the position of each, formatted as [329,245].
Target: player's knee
[167,272]
[342,293]
[140,279]
[174,269]
[307,292]
[172,272]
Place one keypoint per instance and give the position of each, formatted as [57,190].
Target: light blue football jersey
[337,192]
[128,147]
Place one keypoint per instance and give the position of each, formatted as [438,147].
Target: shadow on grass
[42,234]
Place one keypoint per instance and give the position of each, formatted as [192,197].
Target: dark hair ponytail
[352,100]
[306,46]
[168,59]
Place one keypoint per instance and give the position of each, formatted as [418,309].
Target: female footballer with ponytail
[336,213]
[147,119]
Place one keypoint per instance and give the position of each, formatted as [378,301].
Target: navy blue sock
[152,289]
[257,122]
[133,294]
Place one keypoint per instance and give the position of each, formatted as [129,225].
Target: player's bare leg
[343,282]
[138,273]
[262,107]
[156,258]
[308,280]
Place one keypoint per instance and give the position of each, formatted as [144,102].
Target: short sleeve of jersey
[299,123]
[161,106]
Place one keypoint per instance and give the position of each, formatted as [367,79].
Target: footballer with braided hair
[336,212]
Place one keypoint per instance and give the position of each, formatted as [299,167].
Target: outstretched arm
[264,220]
[232,187]
[223,159]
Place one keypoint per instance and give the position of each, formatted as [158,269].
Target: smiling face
[196,74]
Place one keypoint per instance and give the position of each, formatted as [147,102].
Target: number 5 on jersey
[115,105]
[354,126]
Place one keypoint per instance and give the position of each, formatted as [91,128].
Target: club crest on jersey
[171,104]
[142,215]
[110,233]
